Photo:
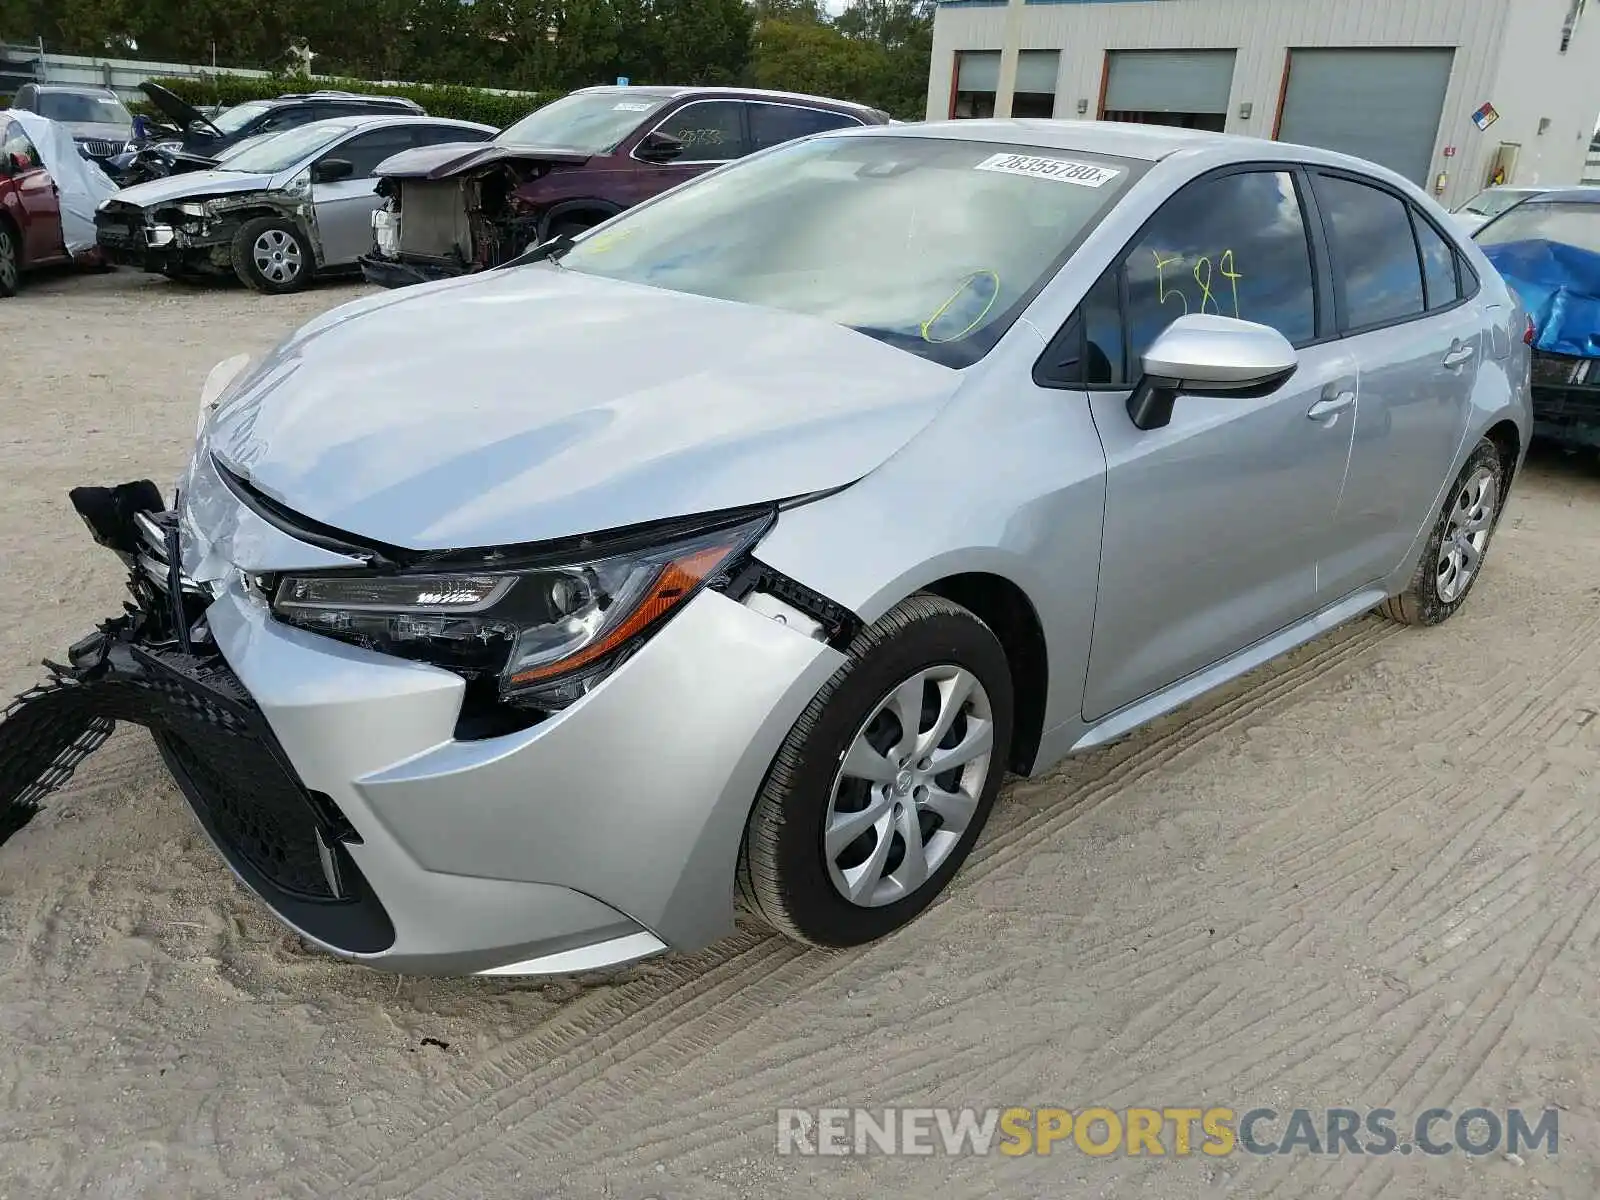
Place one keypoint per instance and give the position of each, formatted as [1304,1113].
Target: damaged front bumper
[343,789]
[399,272]
[132,239]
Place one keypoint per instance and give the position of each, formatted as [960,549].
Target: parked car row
[278,192]
[275,210]
[570,165]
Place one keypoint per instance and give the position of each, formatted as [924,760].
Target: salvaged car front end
[457,209]
[186,226]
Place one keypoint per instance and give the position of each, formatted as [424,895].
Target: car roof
[659,92]
[1569,195]
[1150,143]
[1117,139]
[98,89]
[387,120]
[343,98]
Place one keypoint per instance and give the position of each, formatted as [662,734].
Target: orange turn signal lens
[674,581]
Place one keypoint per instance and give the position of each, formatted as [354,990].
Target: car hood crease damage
[713,406]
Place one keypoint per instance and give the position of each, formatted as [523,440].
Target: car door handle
[1331,406]
[1458,355]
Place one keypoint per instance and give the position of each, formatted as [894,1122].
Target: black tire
[783,873]
[289,234]
[570,227]
[10,259]
[1422,603]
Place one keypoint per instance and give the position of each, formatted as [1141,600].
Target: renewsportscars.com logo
[1177,1132]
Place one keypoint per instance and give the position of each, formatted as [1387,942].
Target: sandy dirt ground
[1367,876]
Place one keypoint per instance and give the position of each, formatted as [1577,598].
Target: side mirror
[331,170]
[659,147]
[1204,355]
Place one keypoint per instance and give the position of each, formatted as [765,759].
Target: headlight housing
[547,634]
[192,208]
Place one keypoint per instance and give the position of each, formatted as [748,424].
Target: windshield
[928,244]
[95,110]
[588,122]
[1573,224]
[1491,202]
[231,120]
[277,151]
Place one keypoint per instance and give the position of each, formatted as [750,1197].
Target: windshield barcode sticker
[1062,170]
[631,106]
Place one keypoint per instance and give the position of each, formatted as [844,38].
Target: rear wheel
[570,227]
[271,255]
[10,260]
[1453,558]
[885,782]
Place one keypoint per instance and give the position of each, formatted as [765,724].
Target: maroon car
[30,209]
[580,160]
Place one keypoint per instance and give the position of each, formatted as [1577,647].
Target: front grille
[118,227]
[100,148]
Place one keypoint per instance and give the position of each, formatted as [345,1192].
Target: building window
[1035,94]
[977,80]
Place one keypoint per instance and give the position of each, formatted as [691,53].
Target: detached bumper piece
[156,666]
[398,273]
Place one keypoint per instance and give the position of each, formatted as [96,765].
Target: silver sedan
[744,543]
[276,209]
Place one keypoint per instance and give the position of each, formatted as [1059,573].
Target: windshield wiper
[552,250]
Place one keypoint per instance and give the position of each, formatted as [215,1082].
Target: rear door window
[774,124]
[365,151]
[710,130]
[1377,272]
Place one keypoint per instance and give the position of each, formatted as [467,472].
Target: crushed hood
[104,131]
[457,158]
[192,185]
[535,403]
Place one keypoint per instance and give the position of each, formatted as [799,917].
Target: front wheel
[271,255]
[885,782]
[1454,555]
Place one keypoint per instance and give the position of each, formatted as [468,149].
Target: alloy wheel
[277,256]
[1466,534]
[908,785]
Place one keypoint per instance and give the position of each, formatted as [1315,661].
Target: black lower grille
[255,808]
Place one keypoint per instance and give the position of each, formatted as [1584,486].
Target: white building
[1395,81]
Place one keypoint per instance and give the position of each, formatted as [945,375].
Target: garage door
[1382,105]
[1169,81]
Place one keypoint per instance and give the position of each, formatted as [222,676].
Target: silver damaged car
[518,623]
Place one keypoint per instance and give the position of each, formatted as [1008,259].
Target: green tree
[817,59]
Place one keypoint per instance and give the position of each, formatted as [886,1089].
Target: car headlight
[192,208]
[548,634]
